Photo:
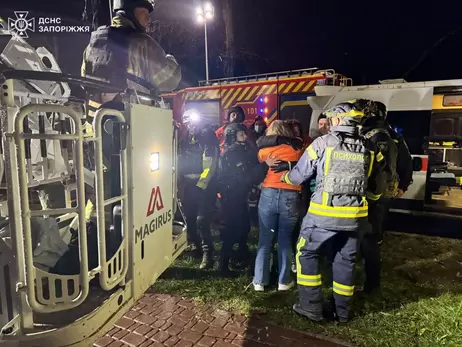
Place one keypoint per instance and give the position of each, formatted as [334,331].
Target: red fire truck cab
[281,95]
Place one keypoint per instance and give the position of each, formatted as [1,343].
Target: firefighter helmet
[231,131]
[348,112]
[240,115]
[127,5]
[381,111]
[372,109]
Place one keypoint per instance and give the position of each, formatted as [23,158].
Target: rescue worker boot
[207,260]
[341,313]
[241,258]
[194,251]
[315,317]
[224,267]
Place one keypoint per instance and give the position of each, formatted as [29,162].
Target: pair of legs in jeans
[278,212]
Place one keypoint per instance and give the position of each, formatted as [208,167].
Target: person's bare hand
[271,161]
[399,194]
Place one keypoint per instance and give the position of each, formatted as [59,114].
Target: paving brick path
[159,320]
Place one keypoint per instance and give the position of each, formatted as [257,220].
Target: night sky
[365,40]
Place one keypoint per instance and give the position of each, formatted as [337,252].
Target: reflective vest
[343,174]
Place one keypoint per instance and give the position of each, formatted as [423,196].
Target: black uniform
[404,162]
[239,171]
[375,132]
[198,163]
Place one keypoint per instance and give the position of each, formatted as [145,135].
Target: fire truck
[429,113]
[280,95]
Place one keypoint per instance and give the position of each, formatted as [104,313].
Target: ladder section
[330,77]
[262,77]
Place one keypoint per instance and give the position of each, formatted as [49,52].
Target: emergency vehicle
[430,115]
[428,112]
[279,95]
[46,211]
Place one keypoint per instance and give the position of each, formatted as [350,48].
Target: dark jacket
[239,170]
[404,166]
[125,56]
[378,134]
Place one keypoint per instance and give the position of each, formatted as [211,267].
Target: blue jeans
[278,211]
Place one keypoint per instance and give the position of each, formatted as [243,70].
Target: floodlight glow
[155,161]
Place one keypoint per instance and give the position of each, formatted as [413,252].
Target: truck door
[295,106]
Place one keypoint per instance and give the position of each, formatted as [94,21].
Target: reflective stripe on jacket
[345,211]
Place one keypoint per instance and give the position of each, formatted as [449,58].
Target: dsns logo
[160,218]
[21,24]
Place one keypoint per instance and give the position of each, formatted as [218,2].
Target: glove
[283,166]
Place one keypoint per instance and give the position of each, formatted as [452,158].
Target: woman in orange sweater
[278,211]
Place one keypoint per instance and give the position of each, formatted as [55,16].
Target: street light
[204,13]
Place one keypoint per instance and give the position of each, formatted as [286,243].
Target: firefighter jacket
[347,169]
[239,169]
[130,58]
[404,166]
[381,138]
[198,157]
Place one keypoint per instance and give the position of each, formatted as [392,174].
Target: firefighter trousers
[198,206]
[313,243]
[370,250]
[236,227]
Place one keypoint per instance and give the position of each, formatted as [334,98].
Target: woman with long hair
[278,212]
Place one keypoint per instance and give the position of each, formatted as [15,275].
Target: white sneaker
[285,287]
[294,268]
[258,287]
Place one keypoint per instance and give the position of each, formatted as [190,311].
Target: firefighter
[198,161]
[346,169]
[235,115]
[238,172]
[375,130]
[124,54]
[404,166]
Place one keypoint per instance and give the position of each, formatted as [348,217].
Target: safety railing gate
[113,271]
[46,292]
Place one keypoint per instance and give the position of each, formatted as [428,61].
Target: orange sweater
[283,153]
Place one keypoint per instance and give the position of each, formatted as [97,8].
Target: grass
[420,303]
